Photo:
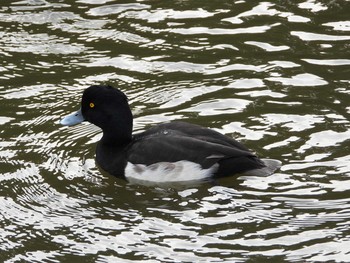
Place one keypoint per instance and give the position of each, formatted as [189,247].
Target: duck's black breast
[112,158]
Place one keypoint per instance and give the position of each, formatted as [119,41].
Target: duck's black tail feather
[271,165]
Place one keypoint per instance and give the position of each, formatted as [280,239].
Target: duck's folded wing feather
[165,148]
[199,132]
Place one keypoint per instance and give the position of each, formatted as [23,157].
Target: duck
[175,151]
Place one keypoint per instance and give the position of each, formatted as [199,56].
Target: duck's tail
[271,165]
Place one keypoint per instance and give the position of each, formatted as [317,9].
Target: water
[274,75]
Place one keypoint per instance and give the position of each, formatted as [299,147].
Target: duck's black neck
[115,140]
[118,132]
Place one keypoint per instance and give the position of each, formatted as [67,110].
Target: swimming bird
[169,152]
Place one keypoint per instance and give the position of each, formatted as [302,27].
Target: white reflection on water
[292,121]
[309,36]
[154,16]
[268,47]
[313,6]
[38,44]
[222,106]
[115,9]
[266,9]
[326,138]
[305,79]
[339,25]
[220,31]
[328,62]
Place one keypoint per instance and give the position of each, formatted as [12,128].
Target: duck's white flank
[168,172]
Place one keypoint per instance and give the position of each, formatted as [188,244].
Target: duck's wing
[199,132]
[170,146]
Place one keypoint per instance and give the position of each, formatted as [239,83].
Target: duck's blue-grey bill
[73,119]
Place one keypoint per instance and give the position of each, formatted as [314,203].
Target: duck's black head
[107,108]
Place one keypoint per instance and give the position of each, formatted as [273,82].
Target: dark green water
[274,75]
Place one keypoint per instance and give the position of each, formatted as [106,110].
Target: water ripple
[115,9]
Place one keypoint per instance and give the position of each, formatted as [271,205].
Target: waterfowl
[168,152]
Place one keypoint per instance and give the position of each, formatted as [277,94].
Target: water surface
[273,75]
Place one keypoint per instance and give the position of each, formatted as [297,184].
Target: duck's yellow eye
[92,105]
